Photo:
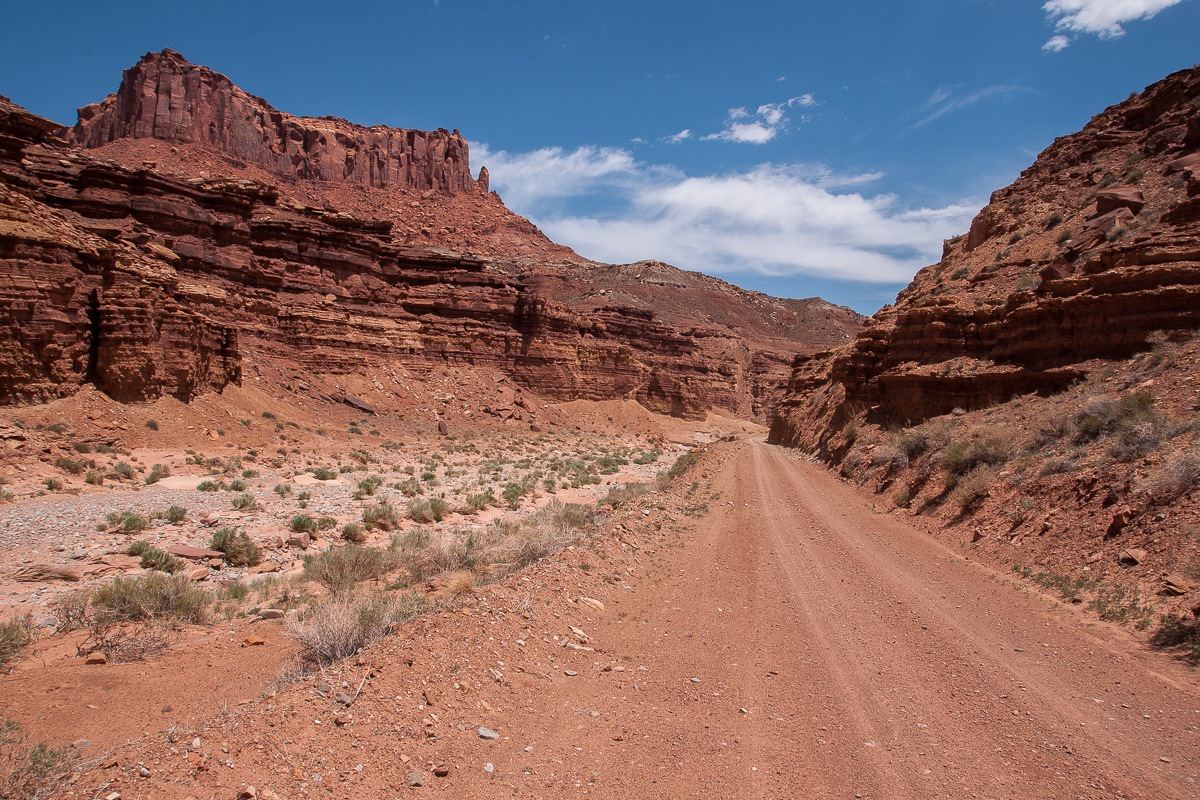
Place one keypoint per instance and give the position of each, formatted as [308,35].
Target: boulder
[1124,197]
[197,553]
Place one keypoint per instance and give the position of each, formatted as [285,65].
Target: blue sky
[802,148]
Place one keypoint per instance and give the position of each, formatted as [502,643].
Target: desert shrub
[53,484]
[438,508]
[1101,414]
[648,456]
[208,486]
[620,493]
[1134,175]
[481,500]
[889,456]
[245,502]
[1050,426]
[153,558]
[325,523]
[1173,479]
[988,445]
[126,522]
[973,487]
[303,496]
[383,516]
[684,463]
[1118,604]
[157,473]
[151,424]
[95,477]
[70,465]
[1053,220]
[419,510]
[368,485]
[1058,465]
[151,597]
[176,514]
[512,494]
[282,489]
[239,549]
[249,473]
[548,530]
[323,474]
[851,462]
[340,568]
[1063,237]
[70,610]
[268,415]
[343,625]
[32,772]
[901,497]
[15,635]
[302,523]
[410,488]
[81,447]
[237,485]
[353,532]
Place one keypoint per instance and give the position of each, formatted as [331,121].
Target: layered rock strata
[148,285]
[1093,249]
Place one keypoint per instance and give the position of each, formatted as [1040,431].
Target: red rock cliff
[1094,248]
[165,97]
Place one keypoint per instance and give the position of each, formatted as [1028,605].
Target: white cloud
[678,137]
[1101,17]
[772,220]
[763,126]
[551,172]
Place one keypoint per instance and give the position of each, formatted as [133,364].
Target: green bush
[70,465]
[302,523]
[157,473]
[237,485]
[176,514]
[481,500]
[984,445]
[94,477]
[82,447]
[239,549]
[53,484]
[353,532]
[684,463]
[323,474]
[209,486]
[249,473]
[151,424]
[282,489]
[245,502]
[127,522]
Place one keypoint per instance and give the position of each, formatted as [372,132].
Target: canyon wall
[147,285]
[1091,251]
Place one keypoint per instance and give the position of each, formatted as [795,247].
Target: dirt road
[807,646]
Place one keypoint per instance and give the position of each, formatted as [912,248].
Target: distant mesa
[166,97]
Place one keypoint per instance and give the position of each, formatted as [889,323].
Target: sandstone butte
[183,228]
[1094,248]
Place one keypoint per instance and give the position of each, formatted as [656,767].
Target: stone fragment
[270,613]
[343,698]
[441,770]
[96,658]
[488,733]
[1124,197]
[1176,584]
[415,780]
[593,602]
[300,540]
[188,551]
[1132,556]
[81,744]
[253,641]
[249,793]
[198,573]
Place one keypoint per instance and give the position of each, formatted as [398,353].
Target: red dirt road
[840,653]
[765,634]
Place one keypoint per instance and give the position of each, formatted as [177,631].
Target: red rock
[188,551]
[300,540]
[1126,197]
[253,641]
[198,574]
[96,658]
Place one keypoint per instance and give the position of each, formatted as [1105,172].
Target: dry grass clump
[341,568]
[344,624]
[974,487]
[383,516]
[151,597]
[460,583]
[15,635]
[623,493]
[32,772]
[239,549]
[1174,478]
[984,445]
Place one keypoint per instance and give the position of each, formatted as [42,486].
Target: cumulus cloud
[1101,17]
[552,172]
[781,220]
[762,126]
[676,138]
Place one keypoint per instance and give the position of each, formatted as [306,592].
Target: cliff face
[1093,249]
[148,285]
[167,98]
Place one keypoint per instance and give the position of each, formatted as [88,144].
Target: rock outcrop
[1093,249]
[165,97]
[146,285]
